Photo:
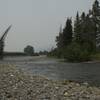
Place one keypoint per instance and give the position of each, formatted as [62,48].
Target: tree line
[79,41]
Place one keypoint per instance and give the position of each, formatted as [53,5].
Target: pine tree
[67,33]
[77,28]
[96,19]
[96,15]
[59,39]
[65,36]
[95,8]
[83,16]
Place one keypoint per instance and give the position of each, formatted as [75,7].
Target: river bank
[17,85]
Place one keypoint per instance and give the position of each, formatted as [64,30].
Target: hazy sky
[36,22]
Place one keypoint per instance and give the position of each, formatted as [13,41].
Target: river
[57,70]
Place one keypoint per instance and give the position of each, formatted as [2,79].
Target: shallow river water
[57,70]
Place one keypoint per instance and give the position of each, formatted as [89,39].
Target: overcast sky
[36,22]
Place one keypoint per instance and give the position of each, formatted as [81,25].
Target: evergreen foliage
[77,29]
[59,39]
[65,36]
[84,41]
[67,33]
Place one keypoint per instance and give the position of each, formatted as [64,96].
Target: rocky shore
[17,85]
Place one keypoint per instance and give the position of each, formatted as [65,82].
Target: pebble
[66,94]
[85,84]
[17,85]
[56,87]
[11,75]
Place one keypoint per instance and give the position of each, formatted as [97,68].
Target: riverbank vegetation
[78,41]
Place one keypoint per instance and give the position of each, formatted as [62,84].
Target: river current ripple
[57,70]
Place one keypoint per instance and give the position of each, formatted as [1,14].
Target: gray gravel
[18,85]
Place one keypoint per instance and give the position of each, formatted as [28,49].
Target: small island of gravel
[17,85]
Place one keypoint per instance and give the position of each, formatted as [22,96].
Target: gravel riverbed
[18,85]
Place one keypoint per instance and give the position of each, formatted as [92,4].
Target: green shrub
[75,52]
